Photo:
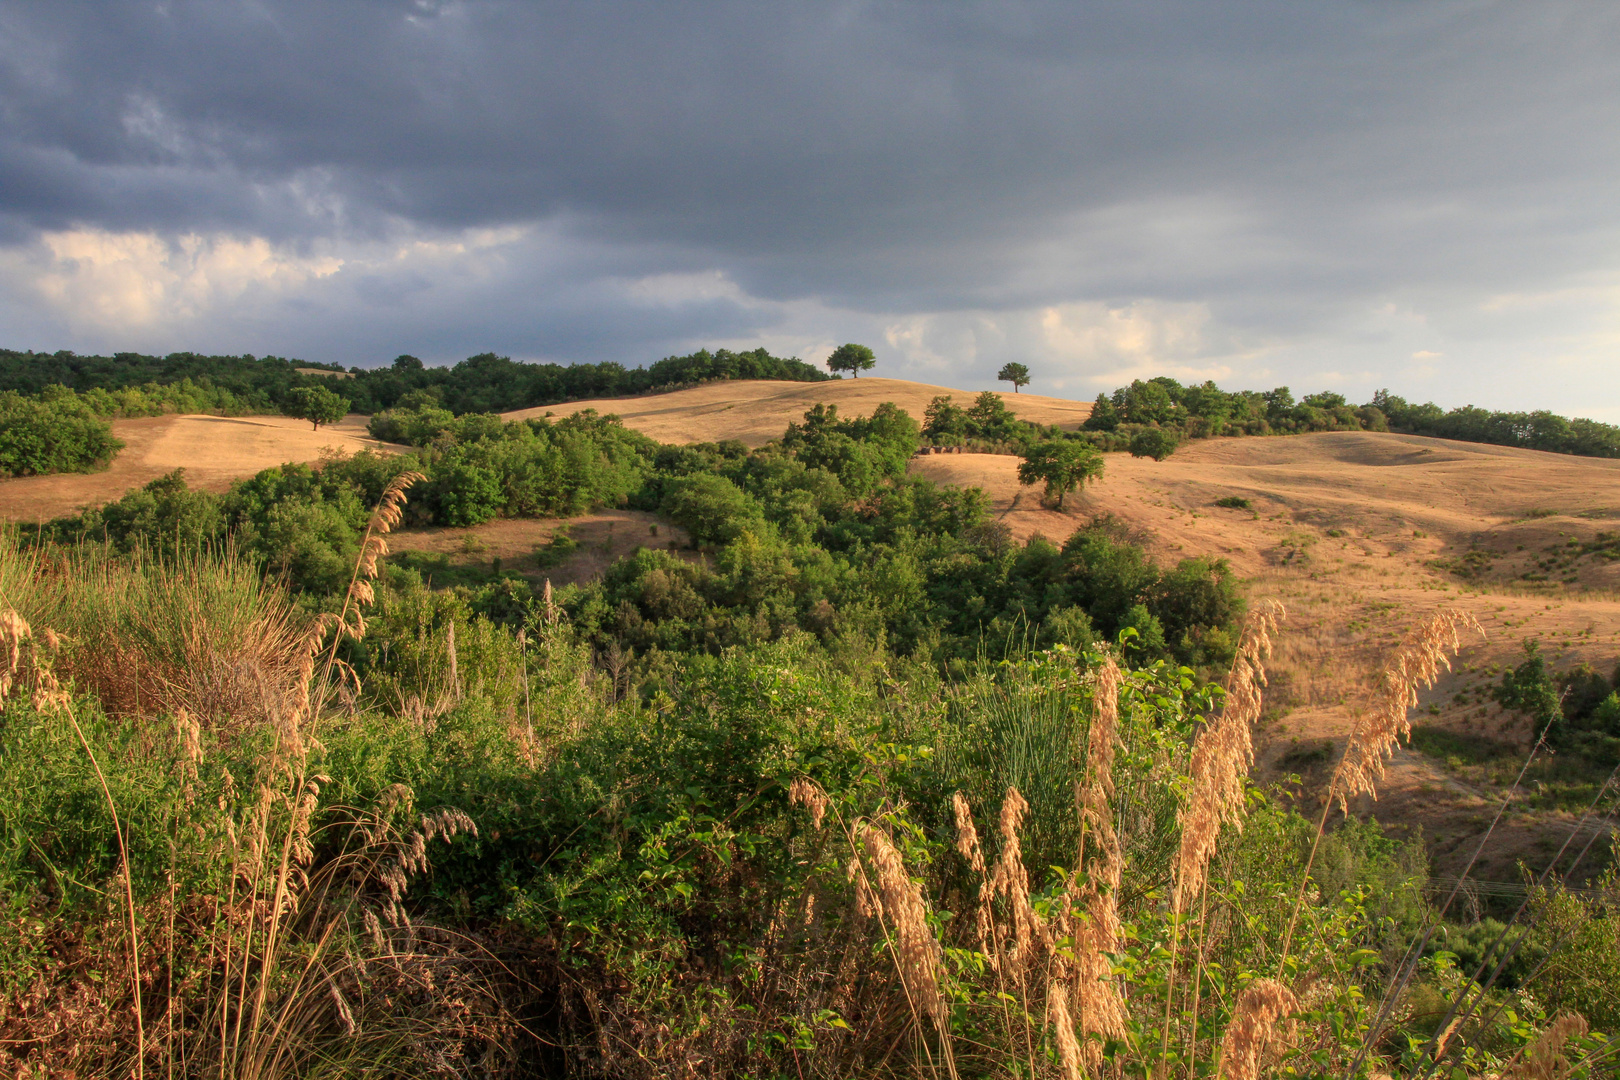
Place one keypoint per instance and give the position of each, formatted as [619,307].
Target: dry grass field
[1358,534]
[757,411]
[593,543]
[214,450]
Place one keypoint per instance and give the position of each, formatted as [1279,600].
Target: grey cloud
[1289,166]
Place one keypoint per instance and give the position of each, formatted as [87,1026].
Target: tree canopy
[316,404]
[1064,465]
[1017,374]
[851,358]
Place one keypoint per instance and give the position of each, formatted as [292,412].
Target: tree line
[53,406]
[482,383]
[1205,410]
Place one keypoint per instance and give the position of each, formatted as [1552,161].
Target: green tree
[1017,374]
[943,420]
[52,434]
[1144,402]
[464,491]
[989,418]
[1104,415]
[316,404]
[1155,442]
[851,358]
[712,509]
[1529,689]
[1063,464]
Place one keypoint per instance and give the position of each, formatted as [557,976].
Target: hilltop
[756,411]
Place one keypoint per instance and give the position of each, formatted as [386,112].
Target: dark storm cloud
[1281,162]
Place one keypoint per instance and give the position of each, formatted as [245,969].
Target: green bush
[712,509]
[1155,442]
[54,434]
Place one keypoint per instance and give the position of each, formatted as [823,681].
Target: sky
[1346,195]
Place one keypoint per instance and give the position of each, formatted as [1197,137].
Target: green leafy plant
[1062,466]
[317,404]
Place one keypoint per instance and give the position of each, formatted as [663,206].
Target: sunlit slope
[756,411]
[213,450]
[1417,494]
[1360,535]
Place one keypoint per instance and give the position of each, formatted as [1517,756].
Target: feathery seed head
[1254,1027]
[808,795]
[918,954]
[390,508]
[1069,1055]
[967,837]
[1380,728]
[1544,1059]
[1221,756]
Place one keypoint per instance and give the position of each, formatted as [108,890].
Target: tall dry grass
[146,635]
[306,962]
[1051,963]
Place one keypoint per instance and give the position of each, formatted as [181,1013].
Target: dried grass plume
[1254,1028]
[1222,754]
[1416,665]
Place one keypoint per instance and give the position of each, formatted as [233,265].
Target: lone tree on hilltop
[851,358]
[316,404]
[1064,464]
[1017,374]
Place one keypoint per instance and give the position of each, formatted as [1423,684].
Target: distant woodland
[483,383]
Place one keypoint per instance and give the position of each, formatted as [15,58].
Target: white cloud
[102,281]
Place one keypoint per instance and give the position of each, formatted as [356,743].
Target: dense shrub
[1155,442]
[55,433]
[305,521]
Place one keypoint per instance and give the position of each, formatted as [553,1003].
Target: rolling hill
[1359,534]
[214,450]
[756,411]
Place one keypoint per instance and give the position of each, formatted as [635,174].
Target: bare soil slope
[1360,535]
[756,411]
[213,450]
